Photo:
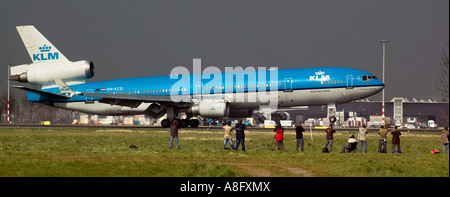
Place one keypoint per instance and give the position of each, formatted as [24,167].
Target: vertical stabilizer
[38,47]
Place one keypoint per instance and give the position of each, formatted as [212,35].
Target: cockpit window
[368,78]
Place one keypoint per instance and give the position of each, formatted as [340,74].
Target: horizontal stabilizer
[48,94]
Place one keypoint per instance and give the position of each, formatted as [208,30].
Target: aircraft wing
[135,100]
[132,101]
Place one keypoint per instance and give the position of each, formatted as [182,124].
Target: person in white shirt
[363,139]
[352,143]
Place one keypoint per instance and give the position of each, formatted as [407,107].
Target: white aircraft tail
[38,47]
[50,68]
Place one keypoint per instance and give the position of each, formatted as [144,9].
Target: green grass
[27,152]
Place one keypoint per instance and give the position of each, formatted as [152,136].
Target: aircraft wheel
[165,123]
[184,123]
[194,123]
[332,119]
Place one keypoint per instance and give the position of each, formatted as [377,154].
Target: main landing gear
[172,113]
[183,123]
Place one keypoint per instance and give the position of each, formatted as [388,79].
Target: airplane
[64,86]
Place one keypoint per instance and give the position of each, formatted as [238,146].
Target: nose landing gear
[331,113]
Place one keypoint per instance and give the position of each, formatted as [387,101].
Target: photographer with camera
[444,136]
[383,138]
[299,135]
[330,131]
[279,136]
[396,140]
[240,135]
[227,137]
[174,133]
[352,143]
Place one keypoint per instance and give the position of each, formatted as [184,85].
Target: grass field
[63,152]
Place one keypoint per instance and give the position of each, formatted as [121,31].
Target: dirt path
[272,170]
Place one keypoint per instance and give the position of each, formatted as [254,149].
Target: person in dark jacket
[396,139]
[299,135]
[330,131]
[174,133]
[240,135]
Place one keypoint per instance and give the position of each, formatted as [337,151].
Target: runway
[149,127]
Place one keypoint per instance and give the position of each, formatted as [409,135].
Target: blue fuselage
[220,83]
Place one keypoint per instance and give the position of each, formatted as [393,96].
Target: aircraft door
[198,90]
[349,81]
[88,98]
[288,84]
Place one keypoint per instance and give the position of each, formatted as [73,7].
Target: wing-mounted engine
[46,73]
[213,109]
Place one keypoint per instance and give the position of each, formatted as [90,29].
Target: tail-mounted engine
[44,73]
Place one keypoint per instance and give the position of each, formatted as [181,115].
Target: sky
[148,38]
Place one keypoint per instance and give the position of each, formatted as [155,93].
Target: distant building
[399,109]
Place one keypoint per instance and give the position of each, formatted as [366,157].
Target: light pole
[7,105]
[384,64]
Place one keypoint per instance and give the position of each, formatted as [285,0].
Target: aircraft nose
[380,85]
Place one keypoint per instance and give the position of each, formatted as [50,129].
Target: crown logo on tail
[45,48]
[320,73]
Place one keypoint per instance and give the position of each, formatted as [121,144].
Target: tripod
[273,140]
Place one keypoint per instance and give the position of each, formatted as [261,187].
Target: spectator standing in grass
[396,139]
[240,135]
[330,131]
[174,133]
[279,136]
[299,135]
[383,137]
[362,139]
[227,137]
[444,136]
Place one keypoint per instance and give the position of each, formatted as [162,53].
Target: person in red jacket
[279,137]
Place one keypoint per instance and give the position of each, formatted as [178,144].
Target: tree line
[23,111]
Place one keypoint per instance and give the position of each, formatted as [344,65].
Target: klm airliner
[233,94]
